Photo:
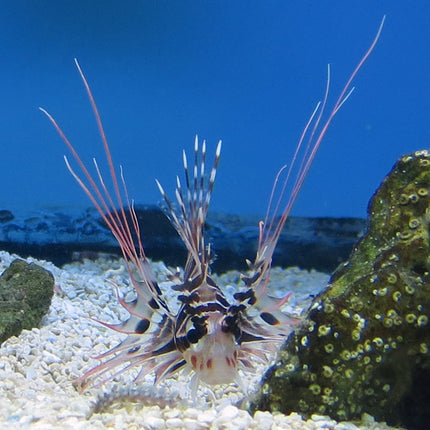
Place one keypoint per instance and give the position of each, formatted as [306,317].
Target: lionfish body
[208,335]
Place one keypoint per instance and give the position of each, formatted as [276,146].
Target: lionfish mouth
[209,335]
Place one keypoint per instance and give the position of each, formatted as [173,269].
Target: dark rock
[26,291]
[310,243]
[159,237]
[365,344]
[6,216]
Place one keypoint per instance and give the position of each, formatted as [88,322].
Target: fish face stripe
[207,307]
[182,343]
[199,319]
[230,325]
[197,314]
[195,334]
[192,337]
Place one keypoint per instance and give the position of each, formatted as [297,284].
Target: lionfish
[207,335]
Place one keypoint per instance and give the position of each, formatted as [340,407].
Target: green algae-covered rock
[365,344]
[26,291]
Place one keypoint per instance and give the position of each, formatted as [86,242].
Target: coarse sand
[37,368]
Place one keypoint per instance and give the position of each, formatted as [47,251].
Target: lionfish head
[214,356]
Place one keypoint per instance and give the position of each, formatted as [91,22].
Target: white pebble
[264,420]
[191,413]
[345,426]
[228,413]
[191,424]
[154,422]
[323,421]
[316,417]
[50,358]
[207,416]
[174,423]
[31,373]
[172,413]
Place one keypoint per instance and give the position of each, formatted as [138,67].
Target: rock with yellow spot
[376,341]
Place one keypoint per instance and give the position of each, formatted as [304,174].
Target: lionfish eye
[228,324]
[193,336]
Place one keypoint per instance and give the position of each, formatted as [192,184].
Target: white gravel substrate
[38,367]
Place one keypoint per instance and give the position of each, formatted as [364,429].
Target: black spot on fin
[269,318]
[142,326]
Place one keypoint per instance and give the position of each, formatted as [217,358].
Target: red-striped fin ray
[150,323]
[303,157]
[260,316]
[111,207]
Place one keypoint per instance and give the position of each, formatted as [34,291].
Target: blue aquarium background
[247,72]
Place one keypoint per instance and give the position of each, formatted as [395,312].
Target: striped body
[208,335]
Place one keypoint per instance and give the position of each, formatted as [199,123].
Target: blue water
[248,73]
